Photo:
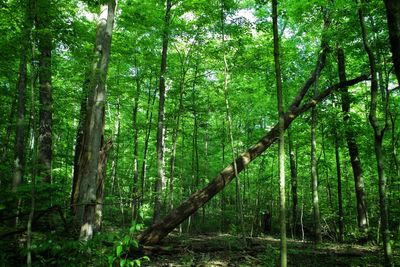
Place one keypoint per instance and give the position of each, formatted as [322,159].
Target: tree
[281,154]
[94,121]
[19,146]
[160,182]
[158,231]
[379,132]
[45,46]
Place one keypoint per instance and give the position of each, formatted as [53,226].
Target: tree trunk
[19,144]
[43,24]
[393,20]
[339,189]
[378,138]
[293,176]
[159,230]
[281,127]
[160,182]
[362,215]
[78,146]
[314,174]
[92,132]
[135,196]
[149,118]
[101,170]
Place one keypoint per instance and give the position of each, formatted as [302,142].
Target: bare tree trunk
[362,215]
[44,33]
[239,200]
[293,175]
[160,182]
[339,189]
[135,196]
[94,123]
[149,118]
[102,171]
[379,132]
[281,127]
[158,231]
[19,144]
[314,174]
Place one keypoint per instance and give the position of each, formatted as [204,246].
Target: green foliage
[126,247]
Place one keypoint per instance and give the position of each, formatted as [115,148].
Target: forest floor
[229,250]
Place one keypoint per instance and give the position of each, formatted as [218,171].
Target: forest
[199,133]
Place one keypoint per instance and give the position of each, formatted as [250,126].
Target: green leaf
[122,263]
[119,250]
[127,239]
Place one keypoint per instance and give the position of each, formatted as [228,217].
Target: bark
[78,147]
[101,169]
[293,181]
[158,231]
[19,143]
[160,182]
[94,123]
[362,215]
[314,174]
[339,190]
[379,132]
[149,118]
[393,21]
[43,22]
[281,124]
[135,197]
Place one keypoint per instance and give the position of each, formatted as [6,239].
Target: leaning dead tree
[162,228]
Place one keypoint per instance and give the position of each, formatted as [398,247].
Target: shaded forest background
[113,114]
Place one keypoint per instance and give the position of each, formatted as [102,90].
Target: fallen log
[159,230]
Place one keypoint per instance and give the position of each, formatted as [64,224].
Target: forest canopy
[126,122]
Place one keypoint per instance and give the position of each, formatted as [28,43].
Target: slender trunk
[314,174]
[158,231]
[94,123]
[281,153]
[293,175]
[378,138]
[362,215]
[149,117]
[116,134]
[135,196]
[160,182]
[393,21]
[19,143]
[339,190]
[44,33]
[239,200]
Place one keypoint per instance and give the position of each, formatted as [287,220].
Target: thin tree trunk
[314,174]
[149,117]
[393,21]
[135,196]
[378,138]
[94,123]
[160,182]
[339,190]
[44,33]
[362,215]
[158,231]
[293,175]
[281,149]
[239,200]
[19,143]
